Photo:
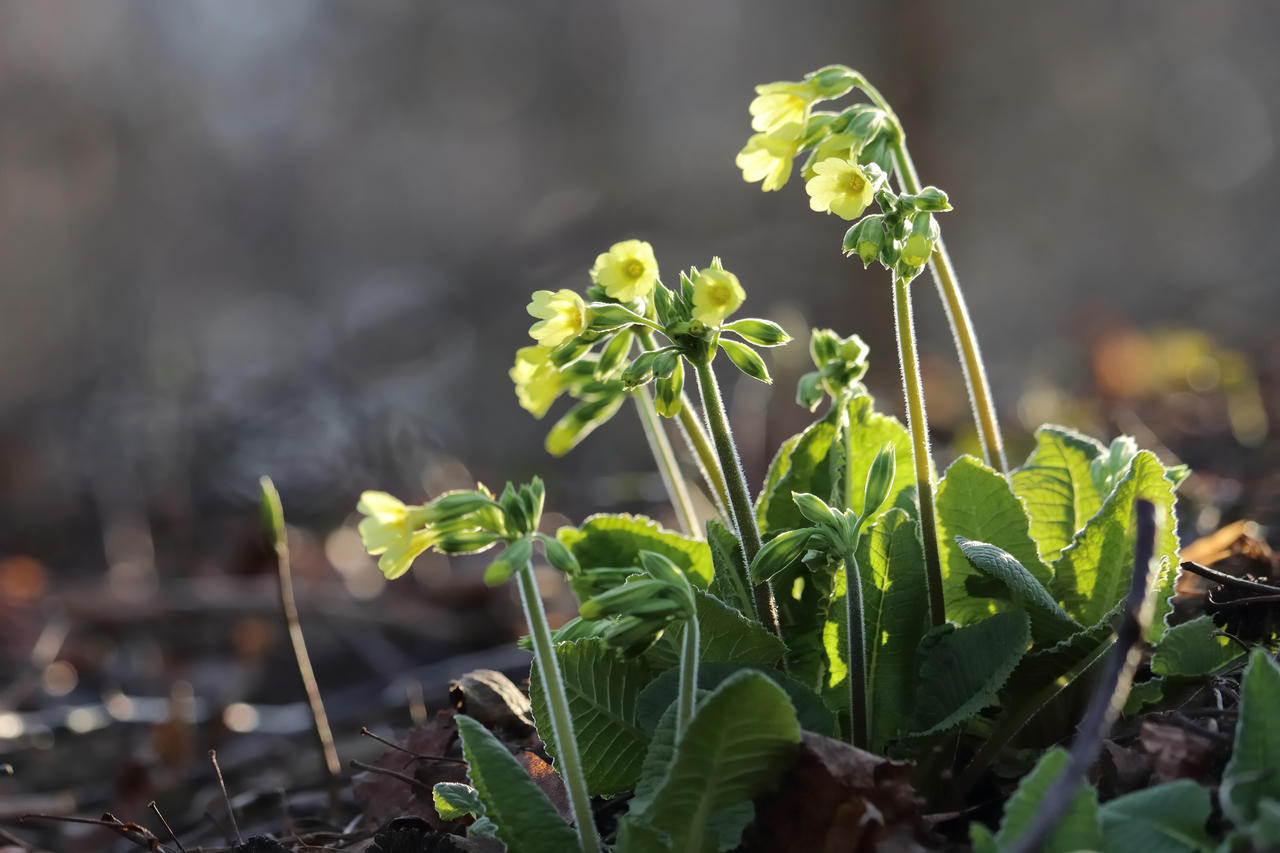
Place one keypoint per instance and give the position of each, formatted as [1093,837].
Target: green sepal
[607,316]
[513,559]
[613,355]
[669,396]
[779,553]
[747,360]
[640,370]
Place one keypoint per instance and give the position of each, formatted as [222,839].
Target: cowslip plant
[970,601]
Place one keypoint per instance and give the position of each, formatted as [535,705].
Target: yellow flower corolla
[767,158]
[835,145]
[627,271]
[562,316]
[716,294]
[537,380]
[783,108]
[390,530]
[840,187]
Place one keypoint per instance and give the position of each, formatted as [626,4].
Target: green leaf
[579,422]
[1191,649]
[615,541]
[725,759]
[977,503]
[871,432]
[1057,488]
[724,635]
[455,800]
[962,669]
[1251,774]
[1045,669]
[526,820]
[730,567]
[1077,831]
[800,466]
[1142,695]
[895,604]
[1049,622]
[1164,819]
[602,687]
[1095,571]
[656,698]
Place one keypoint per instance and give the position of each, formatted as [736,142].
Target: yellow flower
[537,380]
[389,530]
[783,108]
[627,271]
[840,187]
[562,317]
[836,145]
[716,294]
[767,158]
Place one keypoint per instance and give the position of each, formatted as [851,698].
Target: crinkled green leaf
[1077,831]
[895,602]
[1164,819]
[1251,776]
[962,669]
[455,800]
[724,635]
[800,466]
[615,541]
[725,759]
[1046,668]
[602,687]
[1192,649]
[1095,571]
[977,503]
[1049,622]
[526,820]
[1142,695]
[1057,487]
[657,697]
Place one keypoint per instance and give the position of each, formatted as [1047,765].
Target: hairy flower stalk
[744,518]
[859,702]
[918,426]
[558,707]
[668,467]
[944,275]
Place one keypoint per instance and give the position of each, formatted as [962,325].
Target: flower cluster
[459,522]
[849,156]
[585,342]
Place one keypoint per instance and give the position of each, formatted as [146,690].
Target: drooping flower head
[562,317]
[841,187]
[716,294]
[782,109]
[627,271]
[391,530]
[767,158]
[538,382]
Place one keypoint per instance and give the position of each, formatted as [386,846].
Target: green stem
[558,707]
[944,275]
[667,465]
[918,425]
[859,706]
[696,437]
[744,518]
[688,676]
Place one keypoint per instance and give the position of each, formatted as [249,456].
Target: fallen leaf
[1175,752]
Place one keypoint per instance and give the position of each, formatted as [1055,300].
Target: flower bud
[779,553]
[814,508]
[670,392]
[762,333]
[879,481]
[809,390]
[559,555]
[467,542]
[513,559]
[919,243]
[931,199]
[747,360]
[454,505]
[640,370]
[866,238]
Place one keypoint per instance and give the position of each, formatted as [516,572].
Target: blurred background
[297,238]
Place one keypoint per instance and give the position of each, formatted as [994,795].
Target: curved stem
[688,676]
[918,425]
[944,275]
[744,517]
[667,465]
[859,707]
[570,763]
[696,437]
